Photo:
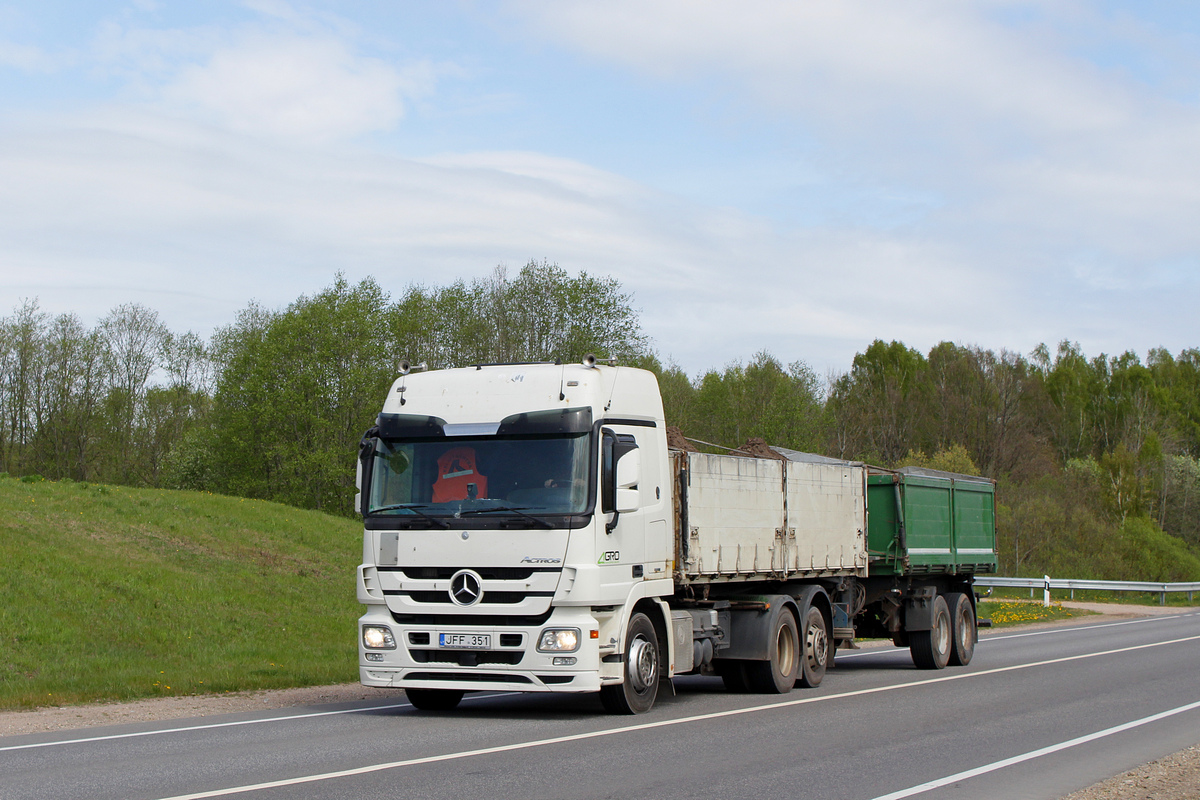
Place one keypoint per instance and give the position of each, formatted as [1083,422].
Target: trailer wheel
[931,649]
[816,648]
[963,630]
[777,675]
[433,699]
[636,694]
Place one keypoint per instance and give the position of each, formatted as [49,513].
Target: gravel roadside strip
[1176,777]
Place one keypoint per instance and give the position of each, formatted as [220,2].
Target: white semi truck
[527,528]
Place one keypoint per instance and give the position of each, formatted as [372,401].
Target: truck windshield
[451,477]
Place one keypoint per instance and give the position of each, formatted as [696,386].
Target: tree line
[1097,459]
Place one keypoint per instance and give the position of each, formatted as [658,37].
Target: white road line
[652,725]
[235,724]
[875,652]
[1054,748]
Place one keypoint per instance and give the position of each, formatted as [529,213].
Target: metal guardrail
[1046,583]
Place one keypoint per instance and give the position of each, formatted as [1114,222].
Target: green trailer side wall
[949,525]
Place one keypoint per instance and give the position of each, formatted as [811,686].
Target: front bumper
[511,664]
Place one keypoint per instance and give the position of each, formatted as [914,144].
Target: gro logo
[610,557]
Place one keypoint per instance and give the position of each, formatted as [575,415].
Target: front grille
[474,620]
[489,597]
[551,679]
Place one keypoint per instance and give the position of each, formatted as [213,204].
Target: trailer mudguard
[918,609]
[750,629]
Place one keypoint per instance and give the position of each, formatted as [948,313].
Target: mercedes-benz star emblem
[466,588]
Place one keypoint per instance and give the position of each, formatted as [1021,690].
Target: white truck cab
[515,517]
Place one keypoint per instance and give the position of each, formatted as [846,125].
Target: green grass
[1022,612]
[113,593]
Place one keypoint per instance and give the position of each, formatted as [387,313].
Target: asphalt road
[1038,714]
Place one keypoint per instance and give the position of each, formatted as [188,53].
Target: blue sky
[796,177]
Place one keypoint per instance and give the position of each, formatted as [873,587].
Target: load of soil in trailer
[676,440]
[757,447]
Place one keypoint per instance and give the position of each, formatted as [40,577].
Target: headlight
[377,637]
[559,640]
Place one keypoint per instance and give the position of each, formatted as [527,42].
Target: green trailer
[928,534]
[926,522]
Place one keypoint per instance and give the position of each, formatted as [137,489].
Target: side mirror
[366,449]
[621,467]
[358,485]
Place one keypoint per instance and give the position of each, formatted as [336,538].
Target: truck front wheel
[636,694]
[931,649]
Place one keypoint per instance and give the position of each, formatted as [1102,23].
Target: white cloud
[297,88]
[290,76]
[28,58]
[852,58]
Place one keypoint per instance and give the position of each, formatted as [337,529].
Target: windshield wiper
[416,509]
[515,509]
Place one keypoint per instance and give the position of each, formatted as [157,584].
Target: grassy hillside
[108,593]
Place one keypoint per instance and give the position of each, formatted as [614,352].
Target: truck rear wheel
[931,649]
[433,699]
[636,694]
[964,633]
[816,648]
[778,674]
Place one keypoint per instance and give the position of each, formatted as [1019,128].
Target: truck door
[621,545]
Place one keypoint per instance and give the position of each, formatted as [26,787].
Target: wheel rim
[785,649]
[643,663]
[941,634]
[816,644]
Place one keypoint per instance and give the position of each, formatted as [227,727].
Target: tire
[815,655]
[733,674]
[964,633]
[931,649]
[643,668]
[778,674]
[434,699]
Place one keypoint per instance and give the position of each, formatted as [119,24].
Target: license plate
[465,641]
